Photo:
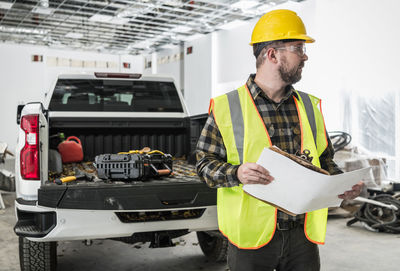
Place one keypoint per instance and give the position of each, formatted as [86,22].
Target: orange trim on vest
[305,232]
[210,110]
[266,243]
[301,125]
[211,106]
[258,113]
[320,109]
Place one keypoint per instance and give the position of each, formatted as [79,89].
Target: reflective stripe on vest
[310,113]
[248,222]
[237,121]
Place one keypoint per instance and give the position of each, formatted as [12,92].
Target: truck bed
[183,189]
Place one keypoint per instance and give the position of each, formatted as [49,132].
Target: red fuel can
[71,150]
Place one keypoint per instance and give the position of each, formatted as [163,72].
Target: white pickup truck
[110,113]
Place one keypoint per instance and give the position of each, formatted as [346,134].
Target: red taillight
[29,158]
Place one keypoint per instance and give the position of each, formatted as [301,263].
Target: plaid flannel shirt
[282,123]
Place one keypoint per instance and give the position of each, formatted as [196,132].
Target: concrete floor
[346,248]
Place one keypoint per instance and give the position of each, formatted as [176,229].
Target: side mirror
[19,110]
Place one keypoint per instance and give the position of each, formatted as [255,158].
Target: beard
[290,76]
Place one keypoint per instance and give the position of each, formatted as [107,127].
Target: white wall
[24,81]
[355,50]
[235,60]
[355,58]
[198,75]
[168,65]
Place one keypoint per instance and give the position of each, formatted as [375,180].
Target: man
[267,111]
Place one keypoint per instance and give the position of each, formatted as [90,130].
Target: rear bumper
[74,224]
[100,210]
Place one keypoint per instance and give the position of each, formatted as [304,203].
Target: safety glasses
[299,49]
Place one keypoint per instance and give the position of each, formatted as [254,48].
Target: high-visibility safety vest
[246,221]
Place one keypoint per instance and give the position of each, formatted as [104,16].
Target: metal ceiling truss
[118,26]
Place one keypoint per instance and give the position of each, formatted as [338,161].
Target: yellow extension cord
[142,152]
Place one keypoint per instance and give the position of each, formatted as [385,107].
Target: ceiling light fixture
[264,8]
[168,46]
[23,30]
[129,12]
[182,29]
[193,37]
[116,20]
[43,10]
[74,35]
[145,44]
[173,3]
[100,18]
[5,5]
[232,25]
[108,19]
[245,4]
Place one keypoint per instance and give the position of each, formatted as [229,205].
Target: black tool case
[133,166]
[119,166]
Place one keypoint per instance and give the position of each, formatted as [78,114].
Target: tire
[35,256]
[213,245]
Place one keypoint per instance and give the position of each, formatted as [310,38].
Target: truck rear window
[115,95]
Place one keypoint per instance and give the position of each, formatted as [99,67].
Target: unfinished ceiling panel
[121,26]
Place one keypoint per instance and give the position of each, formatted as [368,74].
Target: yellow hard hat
[280,24]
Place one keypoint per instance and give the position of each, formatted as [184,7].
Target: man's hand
[353,193]
[252,173]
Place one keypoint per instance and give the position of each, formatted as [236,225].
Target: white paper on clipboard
[298,189]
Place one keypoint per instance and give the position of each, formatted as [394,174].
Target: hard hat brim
[307,39]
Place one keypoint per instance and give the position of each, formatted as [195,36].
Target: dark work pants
[289,250]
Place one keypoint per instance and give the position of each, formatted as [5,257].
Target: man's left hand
[353,193]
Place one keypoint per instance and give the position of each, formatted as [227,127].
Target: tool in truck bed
[79,174]
[135,164]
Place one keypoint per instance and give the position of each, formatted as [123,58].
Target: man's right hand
[252,173]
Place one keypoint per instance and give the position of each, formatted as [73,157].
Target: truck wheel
[213,245]
[37,255]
